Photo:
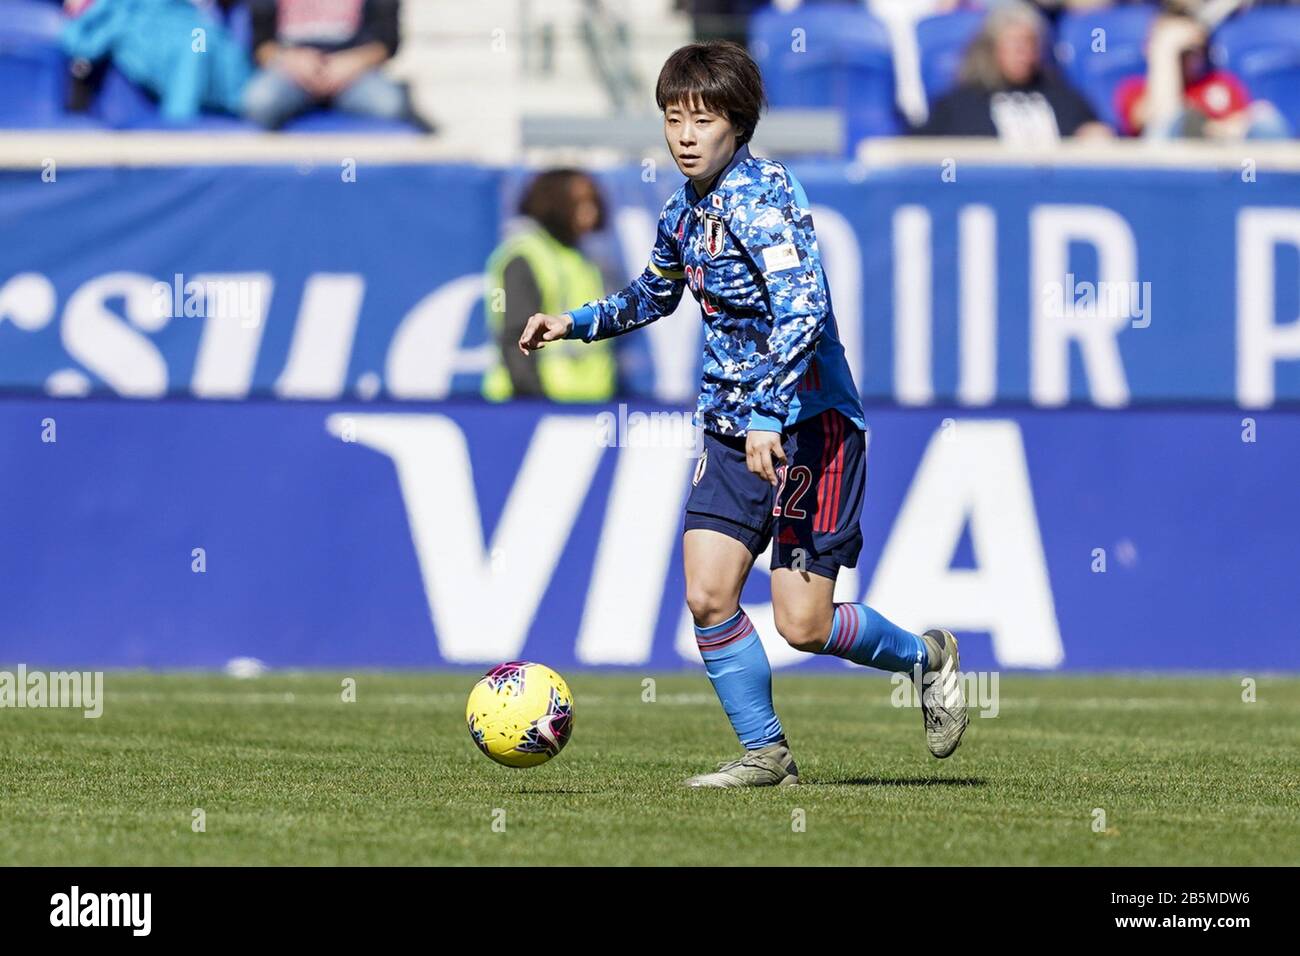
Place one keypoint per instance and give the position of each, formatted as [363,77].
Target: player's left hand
[760,449]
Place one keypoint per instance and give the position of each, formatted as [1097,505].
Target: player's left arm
[653,295]
[776,231]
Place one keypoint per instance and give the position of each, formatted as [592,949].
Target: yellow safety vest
[570,371]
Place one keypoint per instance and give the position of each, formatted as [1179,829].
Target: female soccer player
[784,446]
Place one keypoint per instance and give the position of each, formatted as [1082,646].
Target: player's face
[701,142]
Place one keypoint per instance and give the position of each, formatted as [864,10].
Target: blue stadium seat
[1262,47]
[941,43]
[33,86]
[1097,74]
[37,21]
[844,61]
[120,103]
[33,69]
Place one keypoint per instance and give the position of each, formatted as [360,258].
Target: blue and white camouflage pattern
[748,252]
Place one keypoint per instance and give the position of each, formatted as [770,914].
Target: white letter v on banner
[465,582]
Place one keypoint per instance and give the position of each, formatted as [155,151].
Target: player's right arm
[652,295]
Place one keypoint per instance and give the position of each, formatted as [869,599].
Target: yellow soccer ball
[520,714]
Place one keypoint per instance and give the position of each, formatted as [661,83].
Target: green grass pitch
[288,773]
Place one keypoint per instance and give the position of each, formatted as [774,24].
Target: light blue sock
[864,636]
[737,665]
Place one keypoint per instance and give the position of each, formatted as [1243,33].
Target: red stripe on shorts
[820,521]
[837,469]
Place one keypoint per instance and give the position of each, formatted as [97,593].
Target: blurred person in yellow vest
[539,268]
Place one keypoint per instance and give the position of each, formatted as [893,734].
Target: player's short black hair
[721,75]
[547,200]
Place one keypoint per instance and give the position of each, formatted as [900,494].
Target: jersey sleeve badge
[784,256]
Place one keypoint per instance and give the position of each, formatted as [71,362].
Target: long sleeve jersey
[748,252]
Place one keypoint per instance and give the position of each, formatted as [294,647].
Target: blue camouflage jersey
[772,353]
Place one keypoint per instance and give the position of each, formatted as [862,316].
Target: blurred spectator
[315,52]
[1182,96]
[539,268]
[1005,90]
[174,49]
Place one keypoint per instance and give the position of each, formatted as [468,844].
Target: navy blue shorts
[814,511]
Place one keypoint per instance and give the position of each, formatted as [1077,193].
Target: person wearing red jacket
[1183,96]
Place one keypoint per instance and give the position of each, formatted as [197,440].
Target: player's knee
[802,631]
[709,604]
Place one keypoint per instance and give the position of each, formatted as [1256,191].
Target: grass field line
[436,700]
[1141,703]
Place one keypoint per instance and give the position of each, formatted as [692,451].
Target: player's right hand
[543,328]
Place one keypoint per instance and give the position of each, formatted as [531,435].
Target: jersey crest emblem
[715,234]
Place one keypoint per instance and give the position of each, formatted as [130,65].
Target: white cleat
[943,701]
[770,766]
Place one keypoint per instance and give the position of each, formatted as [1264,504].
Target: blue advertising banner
[954,283]
[180,533]
[284,281]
